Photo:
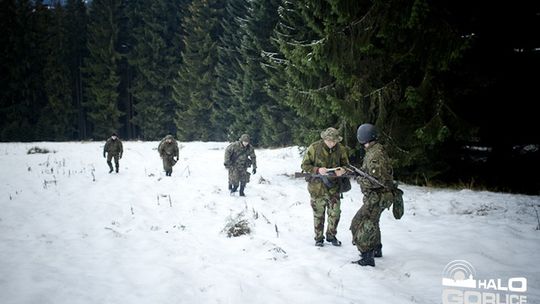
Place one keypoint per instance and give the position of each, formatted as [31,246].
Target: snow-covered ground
[70,232]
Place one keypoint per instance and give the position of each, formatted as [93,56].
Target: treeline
[441,79]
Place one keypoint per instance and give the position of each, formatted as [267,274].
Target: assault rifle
[331,174]
[353,172]
[325,178]
[361,173]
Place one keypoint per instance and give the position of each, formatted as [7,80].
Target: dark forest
[451,85]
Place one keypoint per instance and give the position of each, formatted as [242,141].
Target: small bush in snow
[237,226]
[38,150]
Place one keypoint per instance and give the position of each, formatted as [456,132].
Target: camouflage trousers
[168,163]
[238,175]
[110,156]
[330,204]
[366,233]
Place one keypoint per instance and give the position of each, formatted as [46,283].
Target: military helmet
[331,134]
[366,133]
[244,137]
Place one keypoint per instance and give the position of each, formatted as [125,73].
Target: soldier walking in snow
[168,151]
[366,233]
[113,149]
[327,153]
[239,156]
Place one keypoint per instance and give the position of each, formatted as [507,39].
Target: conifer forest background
[451,85]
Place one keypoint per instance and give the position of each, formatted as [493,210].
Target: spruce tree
[76,30]
[101,68]
[10,45]
[272,120]
[25,29]
[57,119]
[379,62]
[197,117]
[295,79]
[154,58]
[230,75]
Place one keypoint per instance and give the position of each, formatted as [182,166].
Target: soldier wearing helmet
[366,233]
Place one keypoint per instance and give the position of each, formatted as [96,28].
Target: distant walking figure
[113,149]
[168,151]
[239,156]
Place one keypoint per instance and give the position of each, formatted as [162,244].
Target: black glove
[104,154]
[254,170]
[120,156]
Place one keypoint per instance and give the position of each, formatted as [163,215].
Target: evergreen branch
[318,89]
[285,26]
[445,105]
[379,90]
[307,44]
[266,65]
[271,57]
[393,143]
[355,23]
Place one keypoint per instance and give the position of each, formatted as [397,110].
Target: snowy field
[70,233]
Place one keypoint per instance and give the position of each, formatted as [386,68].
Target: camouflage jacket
[377,164]
[168,149]
[238,156]
[113,147]
[318,155]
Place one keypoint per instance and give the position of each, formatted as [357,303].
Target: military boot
[334,241]
[377,252]
[233,189]
[116,169]
[110,168]
[242,187]
[367,259]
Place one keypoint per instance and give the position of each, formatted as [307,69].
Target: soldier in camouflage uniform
[239,156]
[168,151]
[113,149]
[322,155]
[365,229]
